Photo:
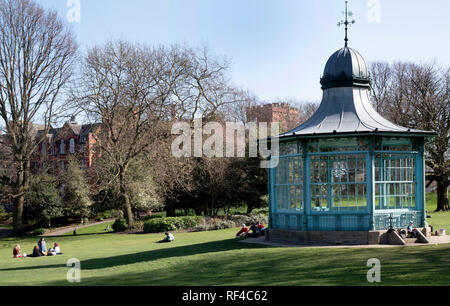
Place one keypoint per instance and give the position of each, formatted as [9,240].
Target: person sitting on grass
[255,232]
[36,252]
[42,247]
[411,231]
[57,249]
[16,252]
[51,252]
[261,228]
[243,232]
[169,238]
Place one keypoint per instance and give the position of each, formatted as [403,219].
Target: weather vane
[347,14]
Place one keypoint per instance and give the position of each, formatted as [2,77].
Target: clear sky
[278,48]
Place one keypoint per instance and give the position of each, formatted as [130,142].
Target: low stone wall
[325,237]
[329,237]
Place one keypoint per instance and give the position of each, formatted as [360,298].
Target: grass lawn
[215,258]
[94,229]
[438,219]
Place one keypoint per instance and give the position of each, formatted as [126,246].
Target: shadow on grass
[282,268]
[170,252]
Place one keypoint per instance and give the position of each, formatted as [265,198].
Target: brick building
[72,140]
[285,114]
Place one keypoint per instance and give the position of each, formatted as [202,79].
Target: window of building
[289,183]
[395,181]
[72,146]
[44,149]
[338,182]
[62,147]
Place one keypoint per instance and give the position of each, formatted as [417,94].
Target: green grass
[94,229]
[215,258]
[438,219]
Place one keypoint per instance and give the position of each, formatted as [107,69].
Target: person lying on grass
[169,238]
[255,233]
[243,232]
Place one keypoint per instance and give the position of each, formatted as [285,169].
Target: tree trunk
[19,229]
[249,209]
[127,211]
[170,209]
[22,182]
[442,197]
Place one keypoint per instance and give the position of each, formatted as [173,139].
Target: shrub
[159,225]
[4,217]
[39,232]
[248,220]
[146,218]
[120,225]
[210,224]
[138,226]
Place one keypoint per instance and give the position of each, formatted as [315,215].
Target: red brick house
[73,140]
[285,114]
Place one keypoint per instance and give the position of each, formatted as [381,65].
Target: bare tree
[136,92]
[381,84]
[37,52]
[417,96]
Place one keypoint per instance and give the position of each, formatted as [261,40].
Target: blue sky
[277,48]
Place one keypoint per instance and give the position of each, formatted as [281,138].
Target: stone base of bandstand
[331,237]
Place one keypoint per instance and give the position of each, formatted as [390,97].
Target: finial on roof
[347,23]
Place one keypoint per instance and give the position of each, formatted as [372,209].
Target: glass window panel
[396,174]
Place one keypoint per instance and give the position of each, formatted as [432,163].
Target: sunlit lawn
[215,258]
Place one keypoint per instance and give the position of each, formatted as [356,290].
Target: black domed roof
[345,68]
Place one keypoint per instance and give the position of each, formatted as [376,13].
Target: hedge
[120,225]
[161,225]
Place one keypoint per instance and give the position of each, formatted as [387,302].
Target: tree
[136,92]
[37,52]
[418,96]
[75,191]
[43,202]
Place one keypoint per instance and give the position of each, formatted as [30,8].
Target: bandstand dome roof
[346,105]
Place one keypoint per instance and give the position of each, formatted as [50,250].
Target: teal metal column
[272,197]
[306,187]
[420,185]
[370,170]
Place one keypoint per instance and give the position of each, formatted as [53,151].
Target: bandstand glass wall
[347,184]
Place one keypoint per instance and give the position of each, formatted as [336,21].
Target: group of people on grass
[256,230]
[39,250]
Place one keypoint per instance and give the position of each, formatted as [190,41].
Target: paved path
[69,229]
[261,240]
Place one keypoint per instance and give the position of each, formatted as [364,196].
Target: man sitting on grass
[411,231]
[169,238]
